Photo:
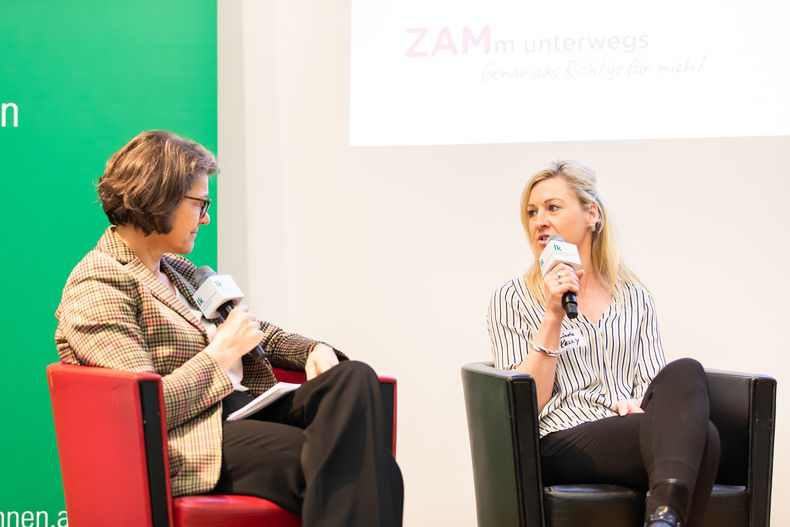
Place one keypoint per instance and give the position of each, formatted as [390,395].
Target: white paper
[263,400]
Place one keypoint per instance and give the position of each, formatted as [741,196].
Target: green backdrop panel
[83,77]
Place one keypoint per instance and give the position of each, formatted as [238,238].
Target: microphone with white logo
[559,251]
[216,295]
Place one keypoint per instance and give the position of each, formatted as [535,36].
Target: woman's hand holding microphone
[235,337]
[561,279]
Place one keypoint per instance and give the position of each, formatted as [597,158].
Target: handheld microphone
[559,251]
[215,296]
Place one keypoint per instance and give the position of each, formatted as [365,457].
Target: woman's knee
[685,374]
[357,373]
[681,381]
[685,366]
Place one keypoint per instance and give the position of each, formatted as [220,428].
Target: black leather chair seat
[613,505]
[593,506]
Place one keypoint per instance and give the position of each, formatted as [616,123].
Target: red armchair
[112,443]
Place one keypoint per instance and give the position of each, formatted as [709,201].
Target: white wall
[391,253]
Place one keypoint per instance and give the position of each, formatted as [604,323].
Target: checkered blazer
[115,314]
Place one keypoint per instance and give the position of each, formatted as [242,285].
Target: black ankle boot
[663,516]
[668,503]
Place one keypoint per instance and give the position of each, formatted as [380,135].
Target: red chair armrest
[102,444]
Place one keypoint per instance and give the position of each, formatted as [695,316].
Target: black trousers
[321,451]
[674,438]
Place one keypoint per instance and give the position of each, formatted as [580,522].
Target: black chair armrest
[743,408]
[501,411]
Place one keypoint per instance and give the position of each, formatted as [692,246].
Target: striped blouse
[604,362]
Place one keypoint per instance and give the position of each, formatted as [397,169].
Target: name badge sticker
[571,339]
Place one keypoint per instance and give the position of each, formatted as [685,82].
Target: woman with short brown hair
[320,450]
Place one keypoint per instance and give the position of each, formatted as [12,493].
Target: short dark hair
[147,179]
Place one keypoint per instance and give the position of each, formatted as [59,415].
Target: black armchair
[501,409]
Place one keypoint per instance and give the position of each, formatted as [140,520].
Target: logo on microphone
[214,292]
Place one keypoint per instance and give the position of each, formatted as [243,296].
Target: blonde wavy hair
[606,260]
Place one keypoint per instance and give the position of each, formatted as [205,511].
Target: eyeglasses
[204,208]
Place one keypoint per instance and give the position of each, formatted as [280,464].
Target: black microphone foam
[569,302]
[201,274]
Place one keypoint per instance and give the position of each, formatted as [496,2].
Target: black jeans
[674,438]
[321,451]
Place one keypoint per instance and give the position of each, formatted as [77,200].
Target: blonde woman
[611,411]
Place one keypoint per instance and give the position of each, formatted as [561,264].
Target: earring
[592,227]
